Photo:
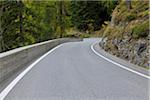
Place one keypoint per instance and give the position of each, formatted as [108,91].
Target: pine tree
[91,12]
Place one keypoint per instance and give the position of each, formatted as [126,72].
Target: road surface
[74,72]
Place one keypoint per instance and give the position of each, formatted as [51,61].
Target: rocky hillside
[127,35]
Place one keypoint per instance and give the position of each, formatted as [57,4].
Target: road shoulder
[125,63]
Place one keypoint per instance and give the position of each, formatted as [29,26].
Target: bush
[71,36]
[144,13]
[84,35]
[141,30]
[113,32]
[130,16]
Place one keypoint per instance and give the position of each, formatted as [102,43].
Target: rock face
[135,51]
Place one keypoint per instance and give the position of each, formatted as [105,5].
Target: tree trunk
[1,30]
[128,3]
[21,22]
[60,18]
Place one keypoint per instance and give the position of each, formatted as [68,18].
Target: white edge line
[133,71]
[5,92]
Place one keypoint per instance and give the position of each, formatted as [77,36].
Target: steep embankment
[127,35]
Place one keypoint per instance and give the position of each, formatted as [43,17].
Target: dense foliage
[24,22]
[91,15]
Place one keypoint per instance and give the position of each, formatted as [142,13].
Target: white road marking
[5,92]
[124,67]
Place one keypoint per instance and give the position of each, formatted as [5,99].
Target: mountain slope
[127,35]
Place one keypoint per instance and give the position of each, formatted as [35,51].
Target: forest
[25,22]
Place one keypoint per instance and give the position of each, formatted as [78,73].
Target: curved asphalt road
[74,72]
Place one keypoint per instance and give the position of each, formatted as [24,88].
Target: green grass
[141,30]
[139,10]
